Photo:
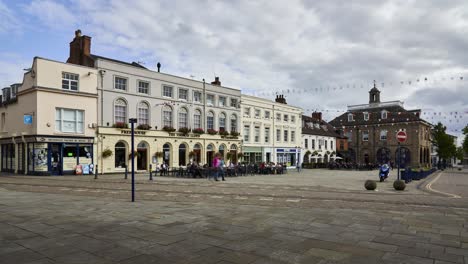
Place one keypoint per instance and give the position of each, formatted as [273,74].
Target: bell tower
[374,95]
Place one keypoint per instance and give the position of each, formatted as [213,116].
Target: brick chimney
[317,115]
[216,81]
[280,99]
[80,50]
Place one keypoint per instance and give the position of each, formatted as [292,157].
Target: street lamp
[132,122]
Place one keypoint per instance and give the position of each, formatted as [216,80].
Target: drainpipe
[102,72]
[204,106]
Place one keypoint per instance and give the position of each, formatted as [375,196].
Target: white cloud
[8,22]
[270,46]
[11,68]
[51,13]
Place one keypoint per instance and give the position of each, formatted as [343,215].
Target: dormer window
[384,115]
[350,117]
[366,116]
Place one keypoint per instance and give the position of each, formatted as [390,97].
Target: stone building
[271,131]
[319,139]
[371,131]
[48,121]
[179,119]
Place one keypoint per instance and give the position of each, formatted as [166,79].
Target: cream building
[271,131]
[170,111]
[48,121]
[318,139]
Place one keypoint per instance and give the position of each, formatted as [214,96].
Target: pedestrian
[221,167]
[298,166]
[215,166]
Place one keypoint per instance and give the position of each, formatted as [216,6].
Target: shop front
[59,155]
[252,155]
[288,156]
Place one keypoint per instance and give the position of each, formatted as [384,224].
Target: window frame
[384,114]
[207,99]
[70,81]
[139,87]
[164,86]
[195,97]
[285,135]
[350,117]
[246,133]
[365,133]
[76,121]
[366,116]
[381,135]
[186,94]
[267,114]
[267,135]
[148,113]
[257,135]
[122,78]
[221,99]
[231,102]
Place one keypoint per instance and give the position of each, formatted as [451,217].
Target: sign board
[401,136]
[86,169]
[27,119]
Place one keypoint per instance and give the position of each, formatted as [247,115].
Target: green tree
[444,143]
[460,153]
[465,141]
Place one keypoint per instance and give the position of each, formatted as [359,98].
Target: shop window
[69,120]
[86,154]
[120,154]
[70,153]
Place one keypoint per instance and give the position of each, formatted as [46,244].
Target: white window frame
[164,91]
[222,121]
[383,134]
[285,135]
[293,119]
[233,121]
[366,116]
[350,117]
[365,135]
[125,105]
[208,96]
[197,119]
[383,114]
[141,115]
[210,117]
[68,81]
[247,111]
[278,117]
[59,120]
[293,136]
[233,102]
[118,86]
[285,118]
[197,95]
[257,134]
[267,135]
[278,135]
[257,112]
[170,114]
[186,94]
[222,99]
[246,133]
[267,114]
[147,88]
[183,114]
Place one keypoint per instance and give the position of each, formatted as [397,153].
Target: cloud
[11,68]
[8,21]
[326,53]
[52,14]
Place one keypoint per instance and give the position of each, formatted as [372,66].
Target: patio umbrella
[338,158]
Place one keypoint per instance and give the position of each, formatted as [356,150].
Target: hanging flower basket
[192,154]
[136,153]
[224,133]
[240,155]
[106,153]
[158,154]
[168,129]
[120,125]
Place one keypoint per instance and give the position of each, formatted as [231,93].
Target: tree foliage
[444,143]
[465,141]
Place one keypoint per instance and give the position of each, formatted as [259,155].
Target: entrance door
[55,161]
[142,156]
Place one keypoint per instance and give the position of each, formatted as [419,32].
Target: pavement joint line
[429,187]
[266,199]
[293,200]
[149,194]
[241,198]
[172,194]
[216,196]
[80,190]
[194,195]
[113,192]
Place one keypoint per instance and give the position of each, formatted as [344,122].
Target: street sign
[27,119]
[401,136]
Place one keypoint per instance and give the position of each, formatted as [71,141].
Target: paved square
[316,216]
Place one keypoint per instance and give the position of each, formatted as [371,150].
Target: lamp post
[132,124]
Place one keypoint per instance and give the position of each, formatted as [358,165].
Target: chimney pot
[159,66]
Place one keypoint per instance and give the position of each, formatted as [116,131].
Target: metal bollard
[151,172]
[96,172]
[126,172]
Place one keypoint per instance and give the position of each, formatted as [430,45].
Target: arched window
[210,120]
[197,119]
[167,116]
[143,113]
[120,111]
[222,122]
[120,150]
[234,123]
[221,150]
[182,154]
[183,116]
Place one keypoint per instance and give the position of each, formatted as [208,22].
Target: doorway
[142,156]
[55,159]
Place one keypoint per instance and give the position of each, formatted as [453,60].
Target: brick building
[371,131]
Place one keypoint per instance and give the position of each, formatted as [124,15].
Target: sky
[322,55]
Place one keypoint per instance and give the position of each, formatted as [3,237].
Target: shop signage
[64,140]
[128,132]
[279,150]
[27,119]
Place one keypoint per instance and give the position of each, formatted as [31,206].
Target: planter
[212,132]
[143,127]
[168,129]
[370,185]
[120,125]
[106,153]
[184,130]
[198,131]
[399,185]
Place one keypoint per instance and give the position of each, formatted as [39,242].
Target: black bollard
[96,172]
[151,172]
[126,172]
